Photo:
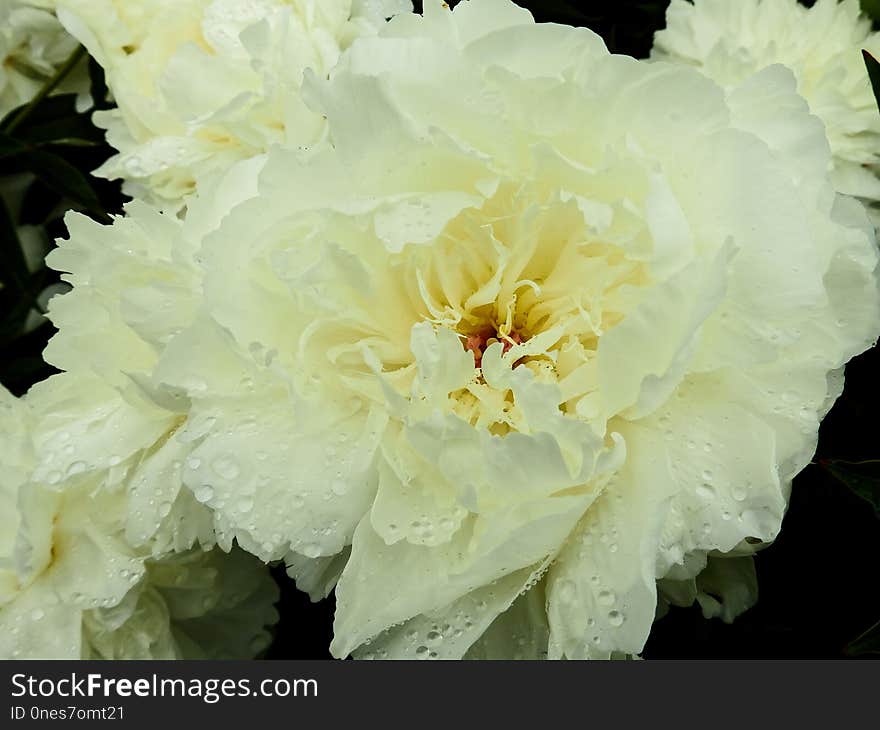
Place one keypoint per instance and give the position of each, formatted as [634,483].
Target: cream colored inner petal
[529,269]
[528,272]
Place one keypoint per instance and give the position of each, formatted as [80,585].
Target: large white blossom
[539,327]
[822,45]
[72,585]
[33,46]
[135,287]
[200,84]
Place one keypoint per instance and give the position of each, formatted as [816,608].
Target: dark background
[817,582]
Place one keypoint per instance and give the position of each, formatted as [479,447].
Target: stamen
[481,340]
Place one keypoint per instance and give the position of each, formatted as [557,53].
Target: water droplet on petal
[245,504]
[310,550]
[567,591]
[705,491]
[226,466]
[204,493]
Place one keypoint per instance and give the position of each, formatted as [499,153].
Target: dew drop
[245,504]
[310,550]
[705,491]
[567,591]
[434,638]
[204,493]
[226,467]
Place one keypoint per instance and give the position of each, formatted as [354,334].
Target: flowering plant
[489,338]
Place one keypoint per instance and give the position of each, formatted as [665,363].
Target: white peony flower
[201,84]
[539,327]
[730,41]
[71,584]
[135,286]
[33,46]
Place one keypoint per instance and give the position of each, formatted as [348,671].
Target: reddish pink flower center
[479,341]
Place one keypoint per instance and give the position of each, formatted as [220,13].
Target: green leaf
[866,643]
[58,174]
[55,121]
[14,272]
[73,130]
[17,117]
[871,8]
[861,477]
[873,66]
[52,107]
[38,205]
[10,147]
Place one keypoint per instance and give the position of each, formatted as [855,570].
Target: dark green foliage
[861,477]
[47,152]
[866,644]
[871,8]
[873,66]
